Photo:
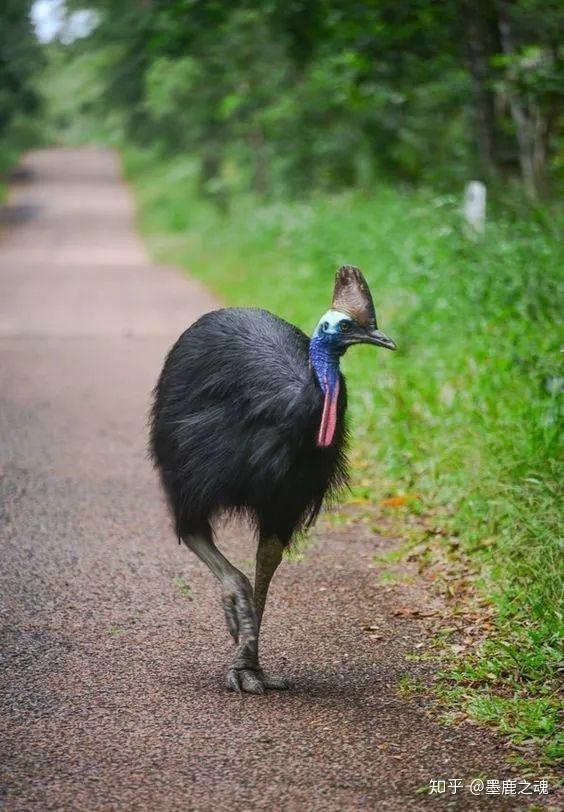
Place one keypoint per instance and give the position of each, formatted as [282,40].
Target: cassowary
[248,417]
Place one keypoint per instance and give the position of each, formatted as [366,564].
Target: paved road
[112,694]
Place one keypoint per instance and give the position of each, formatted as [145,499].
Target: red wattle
[329,417]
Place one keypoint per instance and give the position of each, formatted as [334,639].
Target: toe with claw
[254,681]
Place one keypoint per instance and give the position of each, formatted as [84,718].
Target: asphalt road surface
[114,648]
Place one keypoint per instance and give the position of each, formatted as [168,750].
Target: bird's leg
[269,556]
[237,599]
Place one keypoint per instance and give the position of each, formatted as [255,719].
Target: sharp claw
[249,681]
[243,680]
[233,681]
[278,683]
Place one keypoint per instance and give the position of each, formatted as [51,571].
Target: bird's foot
[277,683]
[245,674]
[254,681]
[239,608]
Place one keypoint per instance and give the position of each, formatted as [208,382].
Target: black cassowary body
[227,438]
[249,417]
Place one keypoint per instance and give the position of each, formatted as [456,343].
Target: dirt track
[112,693]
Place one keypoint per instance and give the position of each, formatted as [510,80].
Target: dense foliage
[283,96]
[20,61]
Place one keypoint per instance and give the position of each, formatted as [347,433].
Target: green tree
[289,96]
[20,62]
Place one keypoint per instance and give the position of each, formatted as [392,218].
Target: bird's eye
[325,325]
[345,326]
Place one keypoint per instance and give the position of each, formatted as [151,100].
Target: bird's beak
[369,335]
[380,339]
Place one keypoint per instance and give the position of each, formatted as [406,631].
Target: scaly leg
[269,556]
[237,598]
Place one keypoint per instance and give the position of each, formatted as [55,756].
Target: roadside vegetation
[21,59]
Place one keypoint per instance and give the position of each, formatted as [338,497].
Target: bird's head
[352,318]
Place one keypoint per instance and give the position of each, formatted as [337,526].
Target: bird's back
[234,424]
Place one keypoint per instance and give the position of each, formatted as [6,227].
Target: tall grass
[467,413]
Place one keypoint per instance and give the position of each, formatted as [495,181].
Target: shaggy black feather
[234,425]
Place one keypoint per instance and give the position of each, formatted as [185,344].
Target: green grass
[466,414]
[183,587]
[512,683]
[8,159]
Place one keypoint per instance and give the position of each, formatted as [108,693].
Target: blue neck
[324,357]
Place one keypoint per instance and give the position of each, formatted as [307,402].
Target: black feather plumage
[234,424]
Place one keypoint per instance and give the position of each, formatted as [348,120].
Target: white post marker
[475,205]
